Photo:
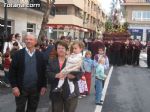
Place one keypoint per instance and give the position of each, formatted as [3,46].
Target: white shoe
[5,84]
[80,97]
[84,95]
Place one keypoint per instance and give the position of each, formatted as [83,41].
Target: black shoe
[101,101]
[72,95]
[57,89]
[99,104]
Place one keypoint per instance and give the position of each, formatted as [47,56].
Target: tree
[49,4]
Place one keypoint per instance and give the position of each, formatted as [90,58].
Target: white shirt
[0,60]
[7,45]
[28,51]
[10,46]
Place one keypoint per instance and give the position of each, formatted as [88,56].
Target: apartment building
[77,19]
[137,13]
[74,18]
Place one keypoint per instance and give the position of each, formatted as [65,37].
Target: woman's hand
[16,91]
[60,76]
[70,76]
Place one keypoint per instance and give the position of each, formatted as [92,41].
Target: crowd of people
[66,65]
[119,52]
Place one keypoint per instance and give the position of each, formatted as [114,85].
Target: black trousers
[61,105]
[29,98]
[148,60]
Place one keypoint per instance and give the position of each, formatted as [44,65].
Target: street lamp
[5,21]
[5,34]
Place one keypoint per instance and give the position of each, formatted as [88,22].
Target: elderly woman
[60,101]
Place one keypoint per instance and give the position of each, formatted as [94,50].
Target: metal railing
[137,1]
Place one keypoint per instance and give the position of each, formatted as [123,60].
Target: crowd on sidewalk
[29,67]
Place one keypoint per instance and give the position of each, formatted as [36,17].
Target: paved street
[7,103]
[128,90]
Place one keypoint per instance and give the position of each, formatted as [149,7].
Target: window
[78,13]
[95,7]
[141,15]
[147,1]
[92,5]
[88,17]
[9,27]
[61,10]
[88,3]
[146,15]
[84,17]
[136,15]
[94,20]
[91,19]
[31,27]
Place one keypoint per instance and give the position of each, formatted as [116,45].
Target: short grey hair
[31,34]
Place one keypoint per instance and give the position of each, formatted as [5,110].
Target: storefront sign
[136,33]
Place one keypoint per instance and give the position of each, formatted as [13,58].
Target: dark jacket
[17,70]
[52,70]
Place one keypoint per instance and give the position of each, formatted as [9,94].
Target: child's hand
[70,76]
[60,76]
[83,78]
[105,77]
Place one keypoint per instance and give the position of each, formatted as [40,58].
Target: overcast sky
[106,5]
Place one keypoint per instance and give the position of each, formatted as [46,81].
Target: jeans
[98,89]
[148,60]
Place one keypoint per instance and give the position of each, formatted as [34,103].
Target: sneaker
[1,82]
[101,101]
[99,104]
[7,85]
[84,95]
[57,89]
[80,97]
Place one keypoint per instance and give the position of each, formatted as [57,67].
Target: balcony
[77,3]
[136,2]
[66,19]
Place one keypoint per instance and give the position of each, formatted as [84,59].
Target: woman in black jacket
[60,100]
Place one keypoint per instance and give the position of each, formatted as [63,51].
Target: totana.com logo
[22,3]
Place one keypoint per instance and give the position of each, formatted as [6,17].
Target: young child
[7,62]
[73,63]
[99,76]
[87,68]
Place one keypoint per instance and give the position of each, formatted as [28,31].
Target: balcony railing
[137,1]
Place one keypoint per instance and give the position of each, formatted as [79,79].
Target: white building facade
[20,20]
